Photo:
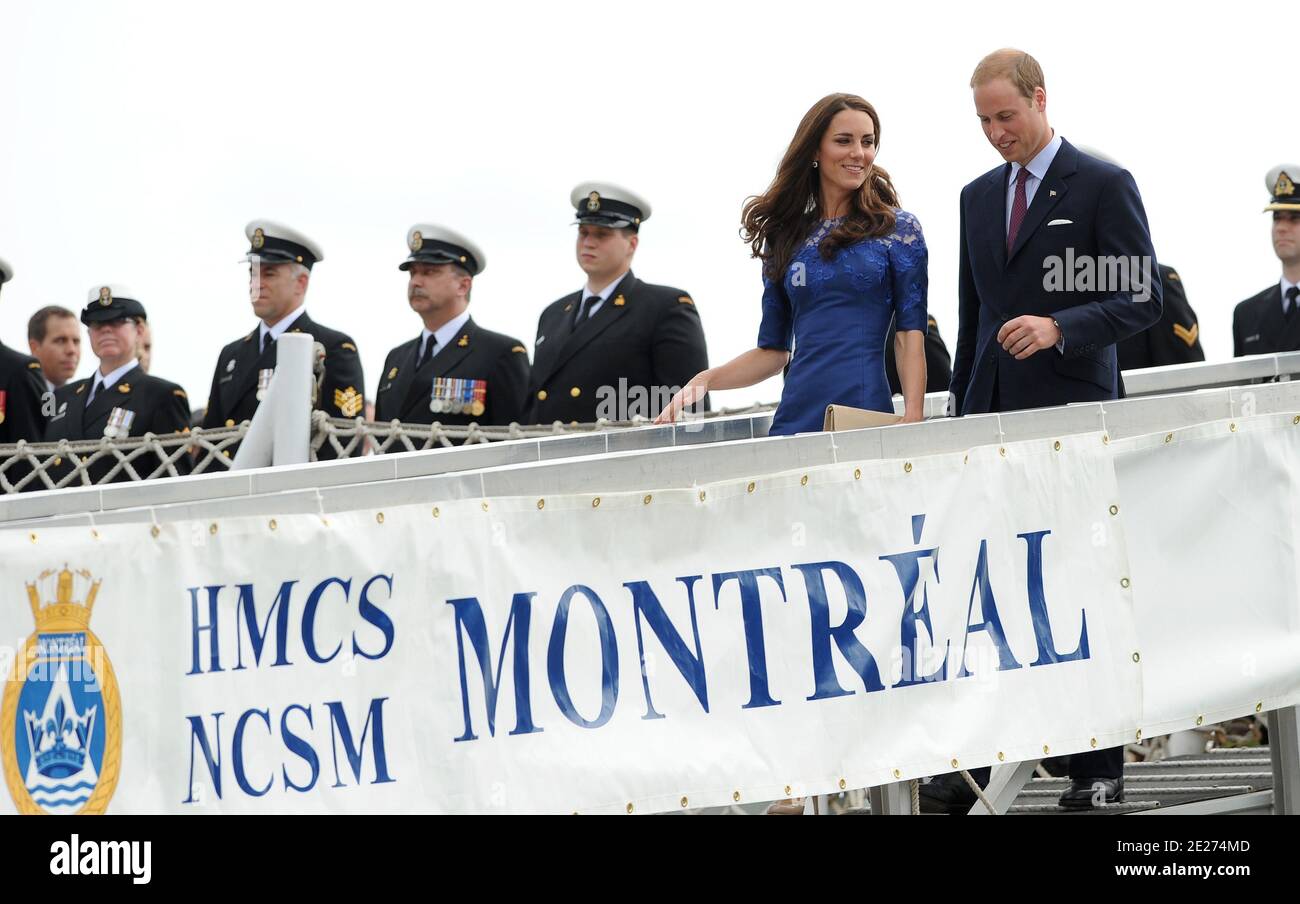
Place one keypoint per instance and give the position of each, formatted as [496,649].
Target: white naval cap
[276,243]
[113,301]
[607,204]
[433,244]
[1281,184]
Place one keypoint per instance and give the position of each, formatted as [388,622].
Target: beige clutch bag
[842,417]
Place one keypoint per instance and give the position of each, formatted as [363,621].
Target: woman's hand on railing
[688,395]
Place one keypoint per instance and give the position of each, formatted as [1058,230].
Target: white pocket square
[1061,223]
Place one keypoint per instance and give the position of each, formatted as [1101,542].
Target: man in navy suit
[1056,267]
[1057,263]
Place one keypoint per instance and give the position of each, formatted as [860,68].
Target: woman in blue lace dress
[840,260]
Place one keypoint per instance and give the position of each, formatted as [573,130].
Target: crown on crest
[64,611]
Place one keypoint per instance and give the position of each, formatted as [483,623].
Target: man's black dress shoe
[1085,793]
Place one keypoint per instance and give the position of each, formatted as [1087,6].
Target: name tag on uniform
[119,423]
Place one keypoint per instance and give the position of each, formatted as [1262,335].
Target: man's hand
[1026,335]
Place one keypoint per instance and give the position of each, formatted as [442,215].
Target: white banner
[785,634]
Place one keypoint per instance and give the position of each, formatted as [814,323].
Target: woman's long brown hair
[776,222]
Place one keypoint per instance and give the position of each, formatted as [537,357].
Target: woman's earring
[814,164]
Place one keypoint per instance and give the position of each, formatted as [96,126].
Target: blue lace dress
[835,315]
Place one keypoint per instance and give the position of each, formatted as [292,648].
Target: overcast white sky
[140,137]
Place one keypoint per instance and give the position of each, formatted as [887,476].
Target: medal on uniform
[457,396]
[479,405]
[435,401]
[466,395]
[119,423]
[263,381]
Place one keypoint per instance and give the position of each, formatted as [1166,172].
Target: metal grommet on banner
[485,505]
[907,467]
[32,537]
[857,473]
[843,784]
[1259,707]
[1046,750]
[750,488]
[629,808]
[1001,756]
[1169,437]
[898,773]
[1092,742]
[541,504]
[788,790]
[954,762]
[683,801]
[701,495]
[94,534]
[1057,445]
[1124,582]
[379,517]
[1232,428]
[1139,734]
[646,500]
[1105,439]
[1002,451]
[436,511]
[1200,720]
[1114,509]
[804,481]
[1296,419]
[272,524]
[212,528]
[595,503]
[1137,657]
[154,531]
[735,795]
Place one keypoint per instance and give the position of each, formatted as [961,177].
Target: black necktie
[1291,294]
[267,339]
[94,391]
[427,355]
[584,309]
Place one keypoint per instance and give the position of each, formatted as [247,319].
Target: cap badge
[259,238]
[1284,187]
[593,201]
[105,296]
[417,241]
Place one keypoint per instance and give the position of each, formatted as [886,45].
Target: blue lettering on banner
[916,629]
[207,768]
[358,757]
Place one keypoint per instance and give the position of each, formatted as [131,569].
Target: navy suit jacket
[1103,221]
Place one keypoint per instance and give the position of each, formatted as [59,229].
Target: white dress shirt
[442,335]
[280,326]
[107,381]
[602,296]
[1037,171]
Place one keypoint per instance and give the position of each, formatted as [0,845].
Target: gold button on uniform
[541,395]
[575,392]
[230,422]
